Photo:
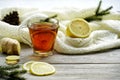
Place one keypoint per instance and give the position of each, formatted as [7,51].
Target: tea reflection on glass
[43,35]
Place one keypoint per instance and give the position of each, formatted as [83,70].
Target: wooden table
[97,66]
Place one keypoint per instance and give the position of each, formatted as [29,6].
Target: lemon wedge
[42,69]
[27,65]
[78,28]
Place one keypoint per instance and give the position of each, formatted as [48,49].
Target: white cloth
[104,35]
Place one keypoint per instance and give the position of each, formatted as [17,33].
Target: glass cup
[43,35]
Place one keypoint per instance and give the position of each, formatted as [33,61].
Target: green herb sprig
[11,72]
[98,14]
[48,18]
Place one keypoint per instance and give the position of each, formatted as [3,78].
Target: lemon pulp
[42,68]
[78,28]
[12,58]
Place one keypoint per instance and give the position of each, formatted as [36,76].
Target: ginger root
[10,46]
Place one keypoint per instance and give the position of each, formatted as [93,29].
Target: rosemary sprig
[98,8]
[98,14]
[11,72]
[9,67]
[16,78]
[16,72]
[105,11]
[47,19]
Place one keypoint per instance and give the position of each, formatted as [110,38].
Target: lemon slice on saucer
[78,28]
[42,68]
[27,65]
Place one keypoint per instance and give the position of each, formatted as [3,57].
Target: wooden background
[94,66]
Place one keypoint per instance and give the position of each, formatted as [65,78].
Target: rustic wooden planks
[110,56]
[97,66]
[82,72]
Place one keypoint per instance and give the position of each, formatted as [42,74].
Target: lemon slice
[13,58]
[27,65]
[78,28]
[11,62]
[41,69]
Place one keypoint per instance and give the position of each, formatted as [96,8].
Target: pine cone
[12,18]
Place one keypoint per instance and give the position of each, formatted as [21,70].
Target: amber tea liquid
[43,36]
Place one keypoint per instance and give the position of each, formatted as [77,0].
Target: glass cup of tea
[43,34]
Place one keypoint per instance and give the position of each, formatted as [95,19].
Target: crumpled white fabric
[104,35]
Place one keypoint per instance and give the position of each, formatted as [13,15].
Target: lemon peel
[27,65]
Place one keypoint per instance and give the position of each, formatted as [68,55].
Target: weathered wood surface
[82,72]
[96,66]
[109,56]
